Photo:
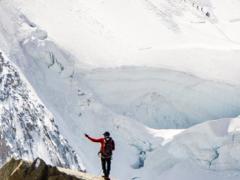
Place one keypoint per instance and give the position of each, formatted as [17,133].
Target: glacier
[133,68]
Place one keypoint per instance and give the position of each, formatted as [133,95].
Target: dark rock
[37,170]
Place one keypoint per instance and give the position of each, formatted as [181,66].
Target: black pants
[106,166]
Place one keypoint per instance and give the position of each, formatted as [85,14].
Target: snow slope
[146,32]
[139,33]
[56,77]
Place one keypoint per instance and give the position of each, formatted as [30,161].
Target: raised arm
[99,140]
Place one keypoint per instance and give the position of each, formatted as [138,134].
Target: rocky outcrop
[39,170]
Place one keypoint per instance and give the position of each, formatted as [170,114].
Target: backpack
[108,148]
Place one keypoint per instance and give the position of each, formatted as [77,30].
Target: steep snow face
[146,32]
[213,145]
[28,130]
[161,98]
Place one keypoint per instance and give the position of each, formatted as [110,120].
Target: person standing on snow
[107,146]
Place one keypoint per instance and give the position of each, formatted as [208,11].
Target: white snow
[28,130]
[166,134]
[200,149]
[145,33]
[179,68]
[162,98]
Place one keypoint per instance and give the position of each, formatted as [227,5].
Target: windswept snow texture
[27,129]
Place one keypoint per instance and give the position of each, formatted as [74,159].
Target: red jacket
[102,141]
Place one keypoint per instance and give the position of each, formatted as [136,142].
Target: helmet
[106,134]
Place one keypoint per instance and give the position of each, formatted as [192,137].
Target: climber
[107,146]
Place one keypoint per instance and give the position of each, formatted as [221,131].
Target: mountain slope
[57,78]
[146,33]
[28,130]
[139,33]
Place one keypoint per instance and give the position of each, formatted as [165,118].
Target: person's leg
[103,160]
[108,161]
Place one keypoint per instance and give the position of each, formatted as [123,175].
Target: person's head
[106,134]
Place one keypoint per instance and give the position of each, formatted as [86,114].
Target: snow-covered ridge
[28,129]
